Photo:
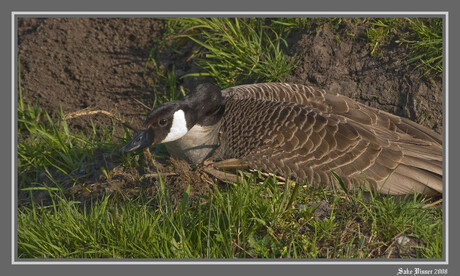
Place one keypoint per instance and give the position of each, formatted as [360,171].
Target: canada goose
[300,132]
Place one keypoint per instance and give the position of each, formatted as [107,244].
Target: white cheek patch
[178,128]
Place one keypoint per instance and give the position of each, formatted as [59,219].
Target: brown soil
[100,63]
[76,63]
[339,61]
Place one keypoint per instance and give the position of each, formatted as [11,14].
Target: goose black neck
[205,104]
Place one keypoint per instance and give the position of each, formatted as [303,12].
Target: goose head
[172,120]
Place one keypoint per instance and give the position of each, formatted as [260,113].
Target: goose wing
[302,132]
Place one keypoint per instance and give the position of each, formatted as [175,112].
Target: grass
[427,46]
[47,148]
[257,218]
[422,35]
[379,32]
[239,50]
[246,221]
[161,78]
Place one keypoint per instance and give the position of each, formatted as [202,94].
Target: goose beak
[141,140]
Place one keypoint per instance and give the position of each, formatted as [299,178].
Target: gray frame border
[407,264]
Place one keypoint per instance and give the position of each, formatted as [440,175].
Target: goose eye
[163,122]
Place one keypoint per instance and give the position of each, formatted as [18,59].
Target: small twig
[139,102]
[193,55]
[342,235]
[433,204]
[157,175]
[393,240]
[237,245]
[282,180]
[87,112]
[207,179]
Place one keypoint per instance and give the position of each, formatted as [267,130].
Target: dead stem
[433,204]
[88,112]
[158,175]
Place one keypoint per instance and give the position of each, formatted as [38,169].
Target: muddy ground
[100,64]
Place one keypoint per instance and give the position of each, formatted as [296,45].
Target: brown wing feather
[302,132]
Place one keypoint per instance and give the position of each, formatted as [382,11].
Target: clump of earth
[99,65]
